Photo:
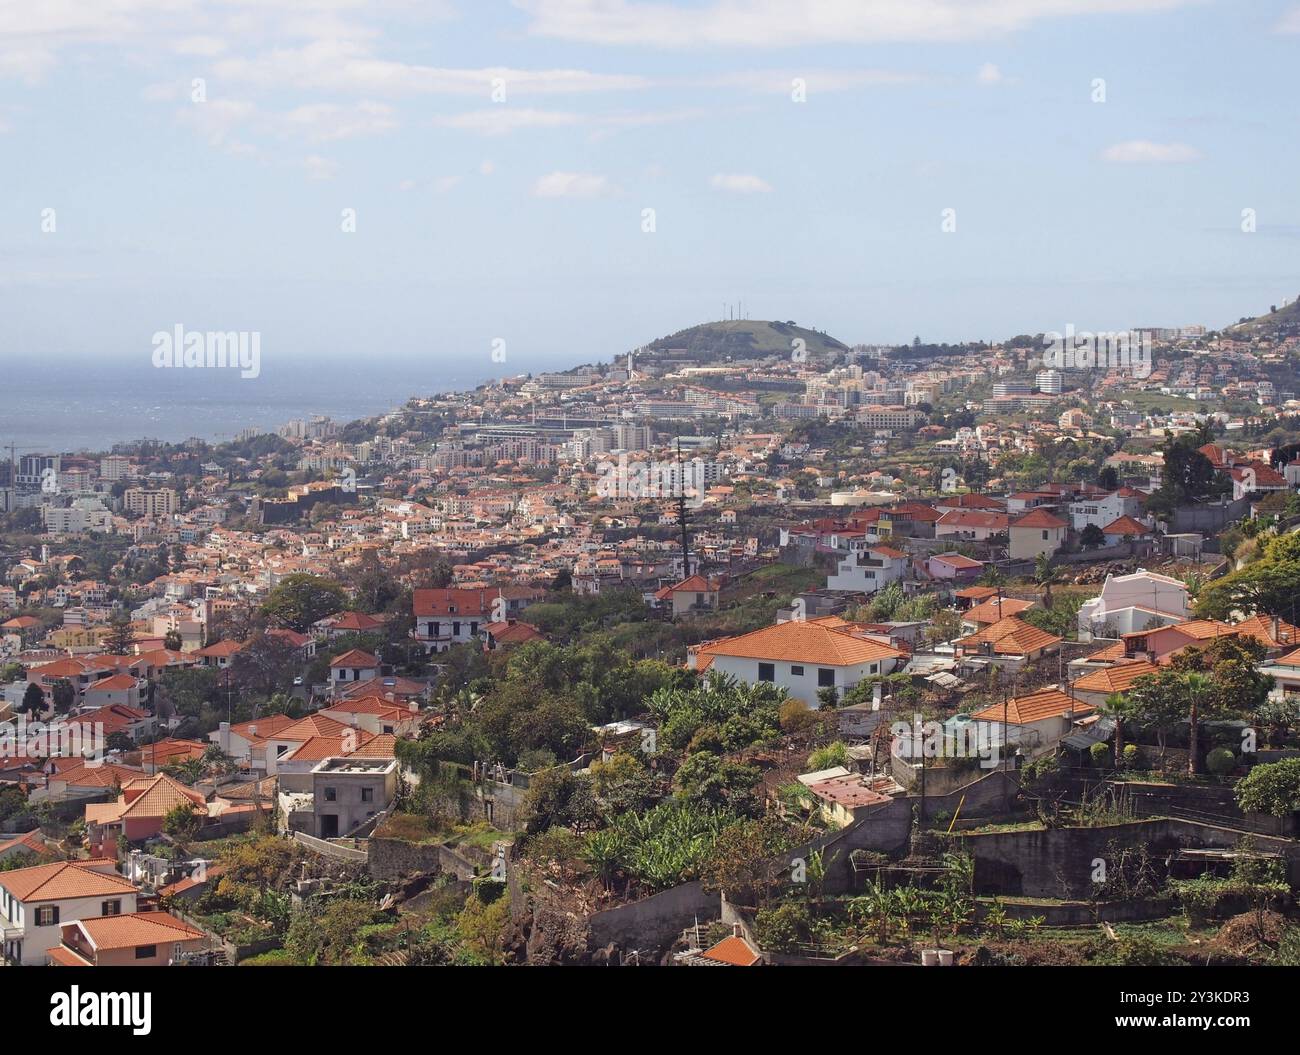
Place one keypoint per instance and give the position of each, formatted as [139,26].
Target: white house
[36,902]
[1100,510]
[1129,603]
[801,656]
[868,568]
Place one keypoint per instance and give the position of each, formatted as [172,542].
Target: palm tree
[1196,685]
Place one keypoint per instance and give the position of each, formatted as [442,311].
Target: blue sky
[521,218]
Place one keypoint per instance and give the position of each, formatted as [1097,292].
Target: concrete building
[347,792]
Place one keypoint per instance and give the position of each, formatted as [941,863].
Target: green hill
[1285,319]
[743,339]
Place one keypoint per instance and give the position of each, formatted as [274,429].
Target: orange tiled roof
[60,880]
[1011,636]
[129,930]
[1039,518]
[1046,703]
[734,951]
[994,608]
[1119,678]
[811,642]
[354,657]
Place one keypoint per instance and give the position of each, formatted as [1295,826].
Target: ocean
[58,405]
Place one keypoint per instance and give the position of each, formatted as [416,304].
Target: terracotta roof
[32,842]
[1046,703]
[1011,636]
[1269,631]
[146,797]
[61,880]
[810,642]
[129,930]
[1118,678]
[734,951]
[476,601]
[306,728]
[62,956]
[219,649]
[976,593]
[957,560]
[319,748]
[974,518]
[115,683]
[355,621]
[382,746]
[1039,518]
[354,657]
[1126,525]
[512,632]
[994,608]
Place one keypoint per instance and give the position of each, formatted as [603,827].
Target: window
[146,952]
[367,794]
[47,916]
[111,908]
[767,672]
[825,676]
[331,794]
[797,672]
[455,628]
[1044,534]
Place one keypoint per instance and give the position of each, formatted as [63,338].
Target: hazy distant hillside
[746,339]
[1286,317]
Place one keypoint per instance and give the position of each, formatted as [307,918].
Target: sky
[558,181]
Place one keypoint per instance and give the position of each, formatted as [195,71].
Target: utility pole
[681,514]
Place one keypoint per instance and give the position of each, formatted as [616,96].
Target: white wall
[801,686]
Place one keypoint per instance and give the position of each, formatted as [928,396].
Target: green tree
[33,700]
[1272,788]
[300,600]
[120,639]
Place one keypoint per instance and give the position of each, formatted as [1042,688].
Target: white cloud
[345,66]
[1289,22]
[989,74]
[28,63]
[319,168]
[740,183]
[1143,151]
[788,23]
[203,47]
[572,185]
[501,120]
[326,122]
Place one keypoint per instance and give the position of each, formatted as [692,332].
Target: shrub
[796,716]
[1221,761]
[1101,753]
[833,754]
[1132,756]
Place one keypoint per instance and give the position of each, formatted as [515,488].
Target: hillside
[743,339]
[1284,319]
